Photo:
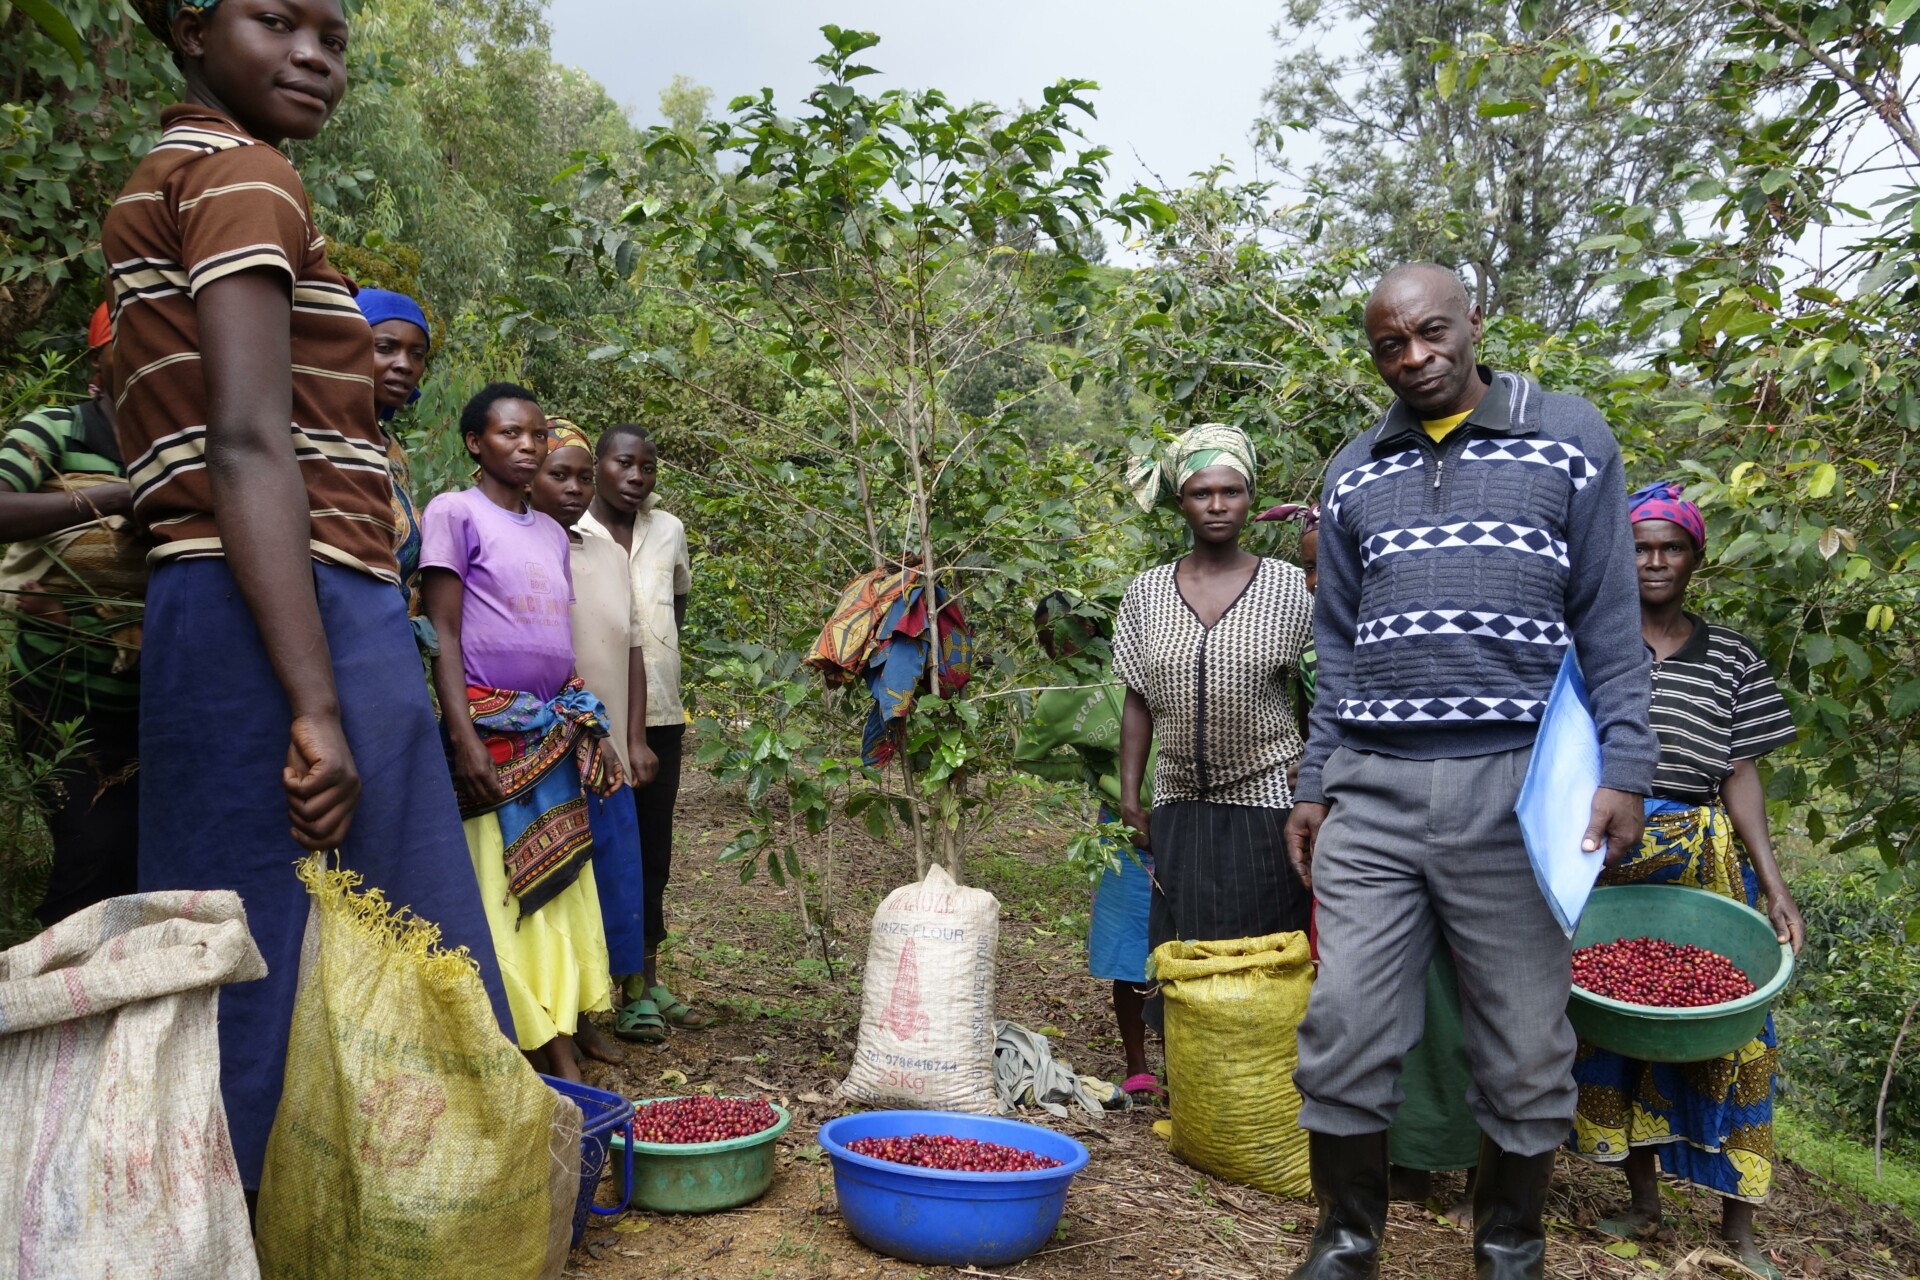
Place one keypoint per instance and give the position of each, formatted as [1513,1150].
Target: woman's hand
[1137,818]
[474,776]
[322,784]
[1787,924]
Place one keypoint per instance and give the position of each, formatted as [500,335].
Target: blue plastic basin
[942,1218]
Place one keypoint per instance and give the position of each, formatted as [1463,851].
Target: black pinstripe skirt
[1221,871]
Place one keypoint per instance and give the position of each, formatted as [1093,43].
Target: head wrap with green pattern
[1211,444]
[159,14]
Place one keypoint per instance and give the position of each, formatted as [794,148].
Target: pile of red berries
[1667,975]
[702,1119]
[962,1155]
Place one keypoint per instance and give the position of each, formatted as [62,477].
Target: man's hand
[1618,819]
[323,787]
[1136,817]
[1303,832]
[646,765]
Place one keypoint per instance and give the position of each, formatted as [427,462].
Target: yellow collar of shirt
[1438,428]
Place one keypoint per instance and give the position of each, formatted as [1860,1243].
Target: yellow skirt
[554,963]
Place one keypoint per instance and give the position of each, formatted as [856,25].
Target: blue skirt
[616,869]
[213,812]
[1117,933]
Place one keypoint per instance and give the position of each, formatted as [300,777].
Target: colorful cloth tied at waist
[548,755]
[877,631]
[1662,501]
[1211,444]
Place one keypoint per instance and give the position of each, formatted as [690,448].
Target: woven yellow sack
[413,1141]
[1232,1011]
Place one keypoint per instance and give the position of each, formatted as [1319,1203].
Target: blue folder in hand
[1556,800]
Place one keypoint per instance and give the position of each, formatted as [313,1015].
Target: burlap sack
[926,1015]
[113,1142]
[413,1141]
[1233,1011]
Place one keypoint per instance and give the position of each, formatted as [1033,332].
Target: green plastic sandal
[639,1021]
[678,1012]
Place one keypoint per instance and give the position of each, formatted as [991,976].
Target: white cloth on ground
[1026,1074]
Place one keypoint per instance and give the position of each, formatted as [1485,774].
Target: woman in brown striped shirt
[281,705]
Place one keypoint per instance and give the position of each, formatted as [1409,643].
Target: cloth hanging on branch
[878,632]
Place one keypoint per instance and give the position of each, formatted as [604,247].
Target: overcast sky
[1180,83]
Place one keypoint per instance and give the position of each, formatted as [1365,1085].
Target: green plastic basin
[698,1177]
[1674,914]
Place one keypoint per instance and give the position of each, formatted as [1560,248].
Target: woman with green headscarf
[1209,649]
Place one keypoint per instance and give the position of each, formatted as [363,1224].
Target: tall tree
[1475,133]
[873,252]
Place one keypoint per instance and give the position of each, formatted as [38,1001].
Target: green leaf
[1820,483]
[56,27]
[701,340]
[1622,1249]
[1491,110]
[1905,700]
[1898,11]
[1447,77]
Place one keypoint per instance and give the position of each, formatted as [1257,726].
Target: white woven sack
[114,1155]
[926,1017]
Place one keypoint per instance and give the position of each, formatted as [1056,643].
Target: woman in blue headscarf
[401,341]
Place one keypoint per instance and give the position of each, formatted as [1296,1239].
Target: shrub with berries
[701,1119]
[959,1155]
[1664,975]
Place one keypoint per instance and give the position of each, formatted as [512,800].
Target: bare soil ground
[787,1031]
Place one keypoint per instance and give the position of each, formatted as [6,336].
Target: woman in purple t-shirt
[499,592]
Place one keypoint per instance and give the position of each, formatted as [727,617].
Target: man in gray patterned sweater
[1465,541]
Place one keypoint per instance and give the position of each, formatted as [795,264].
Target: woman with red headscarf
[1716,711]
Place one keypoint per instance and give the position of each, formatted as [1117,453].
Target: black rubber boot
[1509,1207]
[1350,1182]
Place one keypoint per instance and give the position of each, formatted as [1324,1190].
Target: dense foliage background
[886,326]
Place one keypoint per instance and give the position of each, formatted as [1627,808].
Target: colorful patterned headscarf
[562,434]
[1305,514]
[1662,501]
[159,14]
[1211,444]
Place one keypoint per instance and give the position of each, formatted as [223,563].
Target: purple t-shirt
[516,630]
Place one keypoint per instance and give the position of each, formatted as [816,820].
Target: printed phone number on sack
[930,932]
[430,1059]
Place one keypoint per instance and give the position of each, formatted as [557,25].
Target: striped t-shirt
[1714,702]
[209,201]
[87,659]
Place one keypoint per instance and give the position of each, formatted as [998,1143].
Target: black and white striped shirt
[1714,702]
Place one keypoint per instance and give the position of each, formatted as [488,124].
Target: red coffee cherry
[943,1151]
[702,1119]
[1660,974]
